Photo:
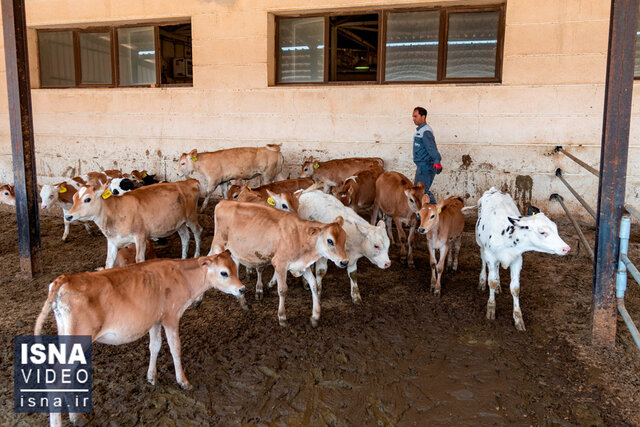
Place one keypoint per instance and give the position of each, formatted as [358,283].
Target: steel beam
[21,123]
[613,167]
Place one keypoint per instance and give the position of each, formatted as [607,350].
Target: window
[146,55]
[426,45]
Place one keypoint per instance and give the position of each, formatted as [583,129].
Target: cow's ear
[425,199]
[313,231]
[193,152]
[514,221]
[407,193]
[420,186]
[339,220]
[381,224]
[205,261]
[217,249]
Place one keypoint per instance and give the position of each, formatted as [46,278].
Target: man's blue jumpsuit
[425,155]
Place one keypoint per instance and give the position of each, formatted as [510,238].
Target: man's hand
[437,167]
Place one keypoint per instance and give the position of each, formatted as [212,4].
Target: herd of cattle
[290,224]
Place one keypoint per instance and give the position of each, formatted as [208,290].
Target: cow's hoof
[436,293]
[491,312]
[151,380]
[519,322]
[482,286]
[315,322]
[411,264]
[259,296]
[65,240]
[282,322]
[356,299]
[186,386]
[498,289]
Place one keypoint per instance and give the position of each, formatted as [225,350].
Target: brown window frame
[383,14]
[115,60]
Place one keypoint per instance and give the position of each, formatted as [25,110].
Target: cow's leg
[171,331]
[352,270]
[450,243]
[66,225]
[183,232]
[206,199]
[141,247]
[87,226]
[482,281]
[440,268]
[388,224]
[402,238]
[327,188]
[315,295]
[433,262]
[259,290]
[196,229]
[456,252]
[224,187]
[281,274]
[515,267]
[112,253]
[493,284]
[321,270]
[155,342]
[412,232]
[374,213]
[272,281]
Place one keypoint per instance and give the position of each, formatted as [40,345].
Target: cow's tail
[468,208]
[274,147]
[54,287]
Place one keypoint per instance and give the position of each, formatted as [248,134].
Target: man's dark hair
[422,111]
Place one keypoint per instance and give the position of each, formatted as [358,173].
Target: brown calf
[220,167]
[127,255]
[359,191]
[7,195]
[120,305]
[443,224]
[334,172]
[284,186]
[153,211]
[394,194]
[258,236]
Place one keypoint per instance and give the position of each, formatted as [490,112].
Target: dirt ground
[403,357]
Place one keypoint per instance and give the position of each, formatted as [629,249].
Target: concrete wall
[552,93]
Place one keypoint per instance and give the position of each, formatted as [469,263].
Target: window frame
[115,60]
[383,15]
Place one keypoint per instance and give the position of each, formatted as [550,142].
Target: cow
[127,255]
[120,305]
[359,191]
[503,235]
[398,199]
[334,172]
[284,186]
[443,224]
[7,195]
[259,235]
[61,194]
[150,212]
[141,178]
[119,186]
[220,167]
[363,239]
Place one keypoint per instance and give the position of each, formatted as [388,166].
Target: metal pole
[577,160]
[613,167]
[560,200]
[20,118]
[621,280]
[575,194]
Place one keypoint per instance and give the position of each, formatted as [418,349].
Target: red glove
[438,168]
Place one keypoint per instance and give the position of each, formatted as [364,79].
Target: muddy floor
[403,357]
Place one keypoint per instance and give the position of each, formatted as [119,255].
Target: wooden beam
[613,167]
[20,120]
[356,38]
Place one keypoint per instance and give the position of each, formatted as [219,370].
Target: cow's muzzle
[69,218]
[242,290]
[422,230]
[344,263]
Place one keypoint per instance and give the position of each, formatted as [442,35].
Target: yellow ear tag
[144,175]
[533,213]
[271,201]
[62,190]
[316,165]
[249,187]
[106,194]
[439,210]
[194,158]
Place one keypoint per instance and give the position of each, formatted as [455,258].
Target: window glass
[472,45]
[136,55]
[175,53]
[95,58]
[56,59]
[301,50]
[412,46]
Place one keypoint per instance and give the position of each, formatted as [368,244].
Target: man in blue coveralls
[425,152]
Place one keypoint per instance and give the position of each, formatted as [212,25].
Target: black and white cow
[503,236]
[119,186]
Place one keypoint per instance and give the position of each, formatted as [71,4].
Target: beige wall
[552,94]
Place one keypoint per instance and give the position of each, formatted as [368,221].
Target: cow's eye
[6,194]
[432,216]
[543,233]
[51,196]
[224,274]
[87,200]
[330,242]
[284,206]
[376,247]
[412,201]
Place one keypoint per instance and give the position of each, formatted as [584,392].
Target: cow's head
[48,196]
[414,197]
[185,165]
[87,203]
[308,168]
[233,191]
[375,246]
[7,195]
[429,214]
[345,194]
[222,273]
[330,241]
[119,186]
[538,233]
[284,201]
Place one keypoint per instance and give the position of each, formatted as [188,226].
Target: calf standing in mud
[257,235]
